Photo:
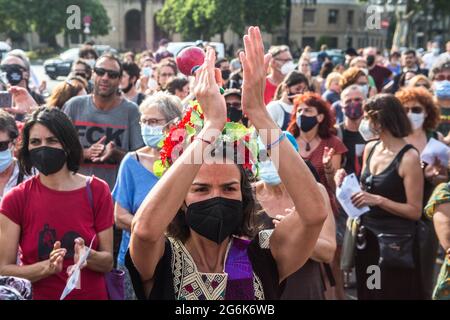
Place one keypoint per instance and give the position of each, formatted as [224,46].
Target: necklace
[308,143]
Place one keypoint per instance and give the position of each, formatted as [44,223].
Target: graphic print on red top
[45,216]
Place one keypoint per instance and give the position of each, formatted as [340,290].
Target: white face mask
[287,68]
[365,90]
[417,120]
[366,131]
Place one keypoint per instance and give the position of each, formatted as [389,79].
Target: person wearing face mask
[89,54]
[440,75]
[281,65]
[191,238]
[424,117]
[280,109]
[234,106]
[352,99]
[394,63]
[431,57]
[131,74]
[56,214]
[308,282]
[224,66]
[392,184]
[313,127]
[10,173]
[18,71]
[136,178]
[304,67]
[352,76]
[333,88]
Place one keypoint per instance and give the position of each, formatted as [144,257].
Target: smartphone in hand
[5,99]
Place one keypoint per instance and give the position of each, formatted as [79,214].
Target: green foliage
[202,19]
[48,17]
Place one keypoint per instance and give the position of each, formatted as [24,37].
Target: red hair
[311,99]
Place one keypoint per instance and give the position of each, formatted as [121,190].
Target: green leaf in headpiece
[235,131]
[190,130]
[158,168]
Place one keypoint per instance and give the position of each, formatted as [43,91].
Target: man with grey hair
[352,100]
[280,66]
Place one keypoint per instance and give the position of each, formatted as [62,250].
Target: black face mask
[215,219]
[14,73]
[127,89]
[235,115]
[226,74]
[47,160]
[306,124]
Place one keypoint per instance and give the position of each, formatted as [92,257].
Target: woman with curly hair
[424,117]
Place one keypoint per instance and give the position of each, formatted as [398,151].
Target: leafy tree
[202,19]
[48,17]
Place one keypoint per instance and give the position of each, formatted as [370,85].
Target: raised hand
[207,92]
[23,102]
[328,154]
[254,65]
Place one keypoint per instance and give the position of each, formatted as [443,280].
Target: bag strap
[89,192]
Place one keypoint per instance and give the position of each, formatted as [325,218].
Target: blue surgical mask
[152,136]
[268,173]
[6,159]
[442,89]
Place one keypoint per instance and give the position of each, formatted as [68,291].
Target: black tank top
[387,184]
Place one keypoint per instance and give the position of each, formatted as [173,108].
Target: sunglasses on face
[442,77]
[111,73]
[416,110]
[4,145]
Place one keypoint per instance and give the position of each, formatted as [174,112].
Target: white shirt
[277,109]
[429,60]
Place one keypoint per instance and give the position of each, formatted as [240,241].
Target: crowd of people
[83,168]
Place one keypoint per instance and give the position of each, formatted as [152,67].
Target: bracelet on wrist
[278,141]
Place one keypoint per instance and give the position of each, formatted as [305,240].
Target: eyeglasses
[442,77]
[416,110]
[111,73]
[152,122]
[4,145]
[236,105]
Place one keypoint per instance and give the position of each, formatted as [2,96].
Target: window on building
[333,16]
[350,17]
[309,41]
[309,16]
[349,42]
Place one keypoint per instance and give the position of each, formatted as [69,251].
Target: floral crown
[235,135]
